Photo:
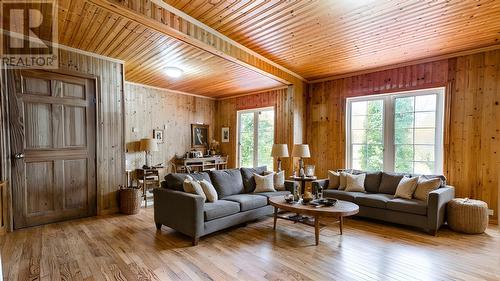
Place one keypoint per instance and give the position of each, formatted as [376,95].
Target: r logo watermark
[29,34]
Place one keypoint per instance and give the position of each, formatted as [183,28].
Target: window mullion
[389,146]
[256,139]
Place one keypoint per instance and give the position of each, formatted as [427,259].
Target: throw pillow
[424,187]
[279,180]
[406,188]
[194,187]
[333,180]
[355,183]
[343,180]
[264,183]
[209,191]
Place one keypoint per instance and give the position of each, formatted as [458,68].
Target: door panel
[53,126]
[39,188]
[37,131]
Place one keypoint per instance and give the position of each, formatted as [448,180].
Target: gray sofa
[379,203]
[237,204]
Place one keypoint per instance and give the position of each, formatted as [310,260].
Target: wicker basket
[130,200]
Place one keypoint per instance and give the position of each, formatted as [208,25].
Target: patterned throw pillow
[209,191]
[264,183]
[425,186]
[406,188]
[194,187]
[333,180]
[355,183]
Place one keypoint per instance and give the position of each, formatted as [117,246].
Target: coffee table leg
[275,217]
[316,229]
[341,223]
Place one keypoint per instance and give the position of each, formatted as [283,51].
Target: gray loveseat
[379,203]
[237,204]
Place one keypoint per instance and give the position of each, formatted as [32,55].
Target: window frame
[255,111]
[388,120]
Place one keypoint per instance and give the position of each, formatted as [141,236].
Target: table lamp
[302,151]
[279,150]
[148,145]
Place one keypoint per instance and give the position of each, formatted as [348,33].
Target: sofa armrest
[323,183]
[179,210]
[436,209]
[291,185]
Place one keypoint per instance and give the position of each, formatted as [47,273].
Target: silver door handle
[19,156]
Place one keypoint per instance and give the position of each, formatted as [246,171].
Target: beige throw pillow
[406,188]
[333,180]
[194,187]
[343,180]
[279,180]
[264,183]
[209,191]
[355,183]
[424,187]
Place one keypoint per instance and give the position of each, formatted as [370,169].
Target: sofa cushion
[375,200]
[272,194]
[248,201]
[389,182]
[411,206]
[175,180]
[227,182]
[340,194]
[219,209]
[372,181]
[248,179]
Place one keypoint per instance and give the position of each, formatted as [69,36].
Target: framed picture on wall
[225,134]
[158,135]
[199,136]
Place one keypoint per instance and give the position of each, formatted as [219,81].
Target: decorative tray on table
[324,202]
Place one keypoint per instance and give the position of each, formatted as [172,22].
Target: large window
[400,132]
[255,137]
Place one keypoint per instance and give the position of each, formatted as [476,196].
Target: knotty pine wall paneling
[148,108]
[472,118]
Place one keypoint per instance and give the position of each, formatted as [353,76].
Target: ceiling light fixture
[173,72]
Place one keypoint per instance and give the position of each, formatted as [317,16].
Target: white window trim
[388,126]
[255,133]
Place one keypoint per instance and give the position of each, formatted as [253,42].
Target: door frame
[255,131]
[5,129]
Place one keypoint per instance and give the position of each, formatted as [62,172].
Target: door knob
[19,156]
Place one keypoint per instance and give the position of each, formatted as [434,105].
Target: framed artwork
[158,135]
[225,134]
[199,136]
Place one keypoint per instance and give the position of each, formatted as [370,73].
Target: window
[255,137]
[400,132]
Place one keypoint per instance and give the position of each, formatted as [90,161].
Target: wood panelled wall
[283,102]
[472,117]
[148,108]
[110,123]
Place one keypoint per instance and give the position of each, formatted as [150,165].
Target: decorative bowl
[289,198]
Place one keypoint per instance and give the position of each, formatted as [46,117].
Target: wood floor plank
[119,247]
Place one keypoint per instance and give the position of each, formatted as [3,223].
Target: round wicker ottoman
[467,215]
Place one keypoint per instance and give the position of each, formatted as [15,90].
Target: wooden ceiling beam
[171,22]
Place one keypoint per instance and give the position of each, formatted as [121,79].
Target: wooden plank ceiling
[147,53]
[323,38]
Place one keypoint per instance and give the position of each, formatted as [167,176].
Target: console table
[187,165]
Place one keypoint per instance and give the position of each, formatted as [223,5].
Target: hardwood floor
[129,248]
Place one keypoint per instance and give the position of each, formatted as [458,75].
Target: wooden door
[52,121]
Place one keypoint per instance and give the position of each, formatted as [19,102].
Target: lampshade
[279,150]
[301,150]
[148,145]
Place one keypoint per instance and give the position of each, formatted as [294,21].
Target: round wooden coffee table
[340,210]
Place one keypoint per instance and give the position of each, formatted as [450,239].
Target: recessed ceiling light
[173,72]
